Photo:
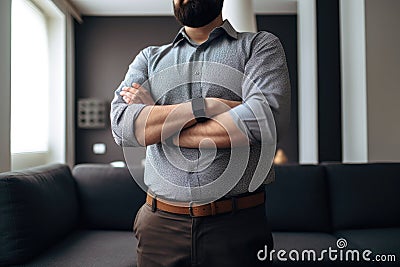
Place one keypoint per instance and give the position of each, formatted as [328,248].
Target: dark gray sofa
[314,206]
[50,216]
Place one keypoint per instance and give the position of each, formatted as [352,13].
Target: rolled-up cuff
[128,125]
[246,121]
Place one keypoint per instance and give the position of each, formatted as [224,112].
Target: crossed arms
[156,123]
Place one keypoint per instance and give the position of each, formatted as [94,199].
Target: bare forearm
[221,132]
[156,123]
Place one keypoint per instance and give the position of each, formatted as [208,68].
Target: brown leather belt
[213,208]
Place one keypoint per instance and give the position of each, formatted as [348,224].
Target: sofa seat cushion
[305,241]
[383,241]
[91,248]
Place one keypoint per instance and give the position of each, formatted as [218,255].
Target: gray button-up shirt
[227,56]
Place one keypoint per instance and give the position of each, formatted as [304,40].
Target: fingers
[233,104]
[129,94]
[127,100]
[131,98]
[230,103]
[134,88]
[137,86]
[129,91]
[136,94]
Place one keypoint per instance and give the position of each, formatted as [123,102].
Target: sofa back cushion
[37,207]
[365,195]
[109,197]
[298,200]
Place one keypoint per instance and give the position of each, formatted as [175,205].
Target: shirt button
[197,73]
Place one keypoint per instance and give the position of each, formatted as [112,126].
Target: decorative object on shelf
[91,113]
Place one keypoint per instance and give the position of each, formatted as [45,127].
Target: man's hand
[215,106]
[220,132]
[136,95]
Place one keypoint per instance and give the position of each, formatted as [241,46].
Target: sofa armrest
[109,197]
[38,206]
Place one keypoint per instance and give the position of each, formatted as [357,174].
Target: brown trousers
[171,240]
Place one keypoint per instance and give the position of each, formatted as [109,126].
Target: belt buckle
[213,208]
[191,209]
[154,204]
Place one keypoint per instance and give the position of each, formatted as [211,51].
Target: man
[182,224]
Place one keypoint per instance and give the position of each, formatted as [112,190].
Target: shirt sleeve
[122,115]
[266,86]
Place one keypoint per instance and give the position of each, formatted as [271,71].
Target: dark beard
[197,13]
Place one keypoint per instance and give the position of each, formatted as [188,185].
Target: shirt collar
[225,27]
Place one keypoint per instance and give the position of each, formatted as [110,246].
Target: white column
[240,14]
[308,82]
[354,82]
[5,84]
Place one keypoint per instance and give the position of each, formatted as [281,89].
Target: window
[37,64]
[29,79]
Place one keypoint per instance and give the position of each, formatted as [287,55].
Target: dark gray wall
[383,79]
[105,46]
[285,28]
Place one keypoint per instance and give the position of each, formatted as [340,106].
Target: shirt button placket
[197,72]
[200,65]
